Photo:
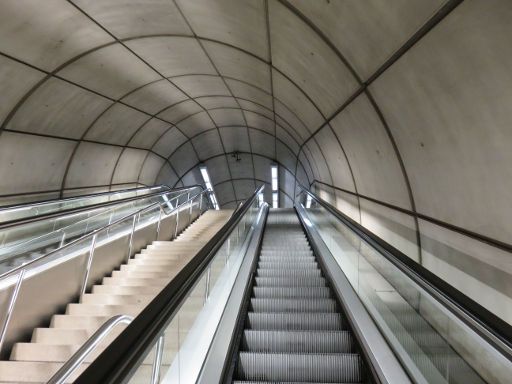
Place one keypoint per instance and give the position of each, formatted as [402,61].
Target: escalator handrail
[64,212]
[120,358]
[487,325]
[98,230]
[63,229]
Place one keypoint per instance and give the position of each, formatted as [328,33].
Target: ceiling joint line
[426,28]
[230,92]
[220,155]
[212,129]
[270,65]
[140,58]
[442,13]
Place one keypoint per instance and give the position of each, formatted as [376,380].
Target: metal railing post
[157,363]
[177,222]
[62,239]
[190,212]
[159,222]
[88,265]
[207,290]
[10,307]
[130,243]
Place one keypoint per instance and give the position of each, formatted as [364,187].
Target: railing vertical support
[207,290]
[158,224]
[88,265]
[157,362]
[177,222]
[10,307]
[190,212]
[62,239]
[130,243]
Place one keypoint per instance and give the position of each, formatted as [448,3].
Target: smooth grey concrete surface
[101,94]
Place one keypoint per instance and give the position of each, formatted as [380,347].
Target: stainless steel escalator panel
[294,331]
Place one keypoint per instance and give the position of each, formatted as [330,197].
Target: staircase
[127,291]
[294,330]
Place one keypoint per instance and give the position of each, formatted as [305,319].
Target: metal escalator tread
[294,330]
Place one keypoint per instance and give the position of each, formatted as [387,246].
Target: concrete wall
[396,111]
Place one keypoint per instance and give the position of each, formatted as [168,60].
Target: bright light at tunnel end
[275,186]
[208,185]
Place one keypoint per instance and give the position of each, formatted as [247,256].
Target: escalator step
[293,305]
[295,321]
[287,264]
[280,382]
[287,259]
[298,273]
[290,292]
[300,367]
[298,341]
[290,282]
[286,250]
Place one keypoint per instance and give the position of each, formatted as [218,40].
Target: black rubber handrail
[486,324]
[64,212]
[122,356]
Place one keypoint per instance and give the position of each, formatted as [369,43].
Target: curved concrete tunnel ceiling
[397,111]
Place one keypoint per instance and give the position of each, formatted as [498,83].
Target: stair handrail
[71,365]
[488,326]
[63,229]
[116,361]
[21,269]
[96,231]
[64,212]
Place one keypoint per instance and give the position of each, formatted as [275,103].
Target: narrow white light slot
[260,199]
[308,201]
[275,186]
[275,200]
[274,177]
[208,184]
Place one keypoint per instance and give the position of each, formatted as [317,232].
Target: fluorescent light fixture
[275,200]
[208,184]
[273,169]
[275,186]
[308,201]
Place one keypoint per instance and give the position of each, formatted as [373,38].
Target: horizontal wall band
[474,235]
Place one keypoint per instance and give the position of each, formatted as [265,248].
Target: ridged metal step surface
[290,282]
[306,367]
[299,273]
[287,259]
[294,332]
[291,292]
[298,341]
[293,305]
[287,264]
[294,321]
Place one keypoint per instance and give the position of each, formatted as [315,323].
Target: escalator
[269,296]
[295,330]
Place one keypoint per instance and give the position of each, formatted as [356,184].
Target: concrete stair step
[134,281]
[103,310]
[169,274]
[102,298]
[126,290]
[32,371]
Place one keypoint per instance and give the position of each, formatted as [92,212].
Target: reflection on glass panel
[433,345]
[189,333]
